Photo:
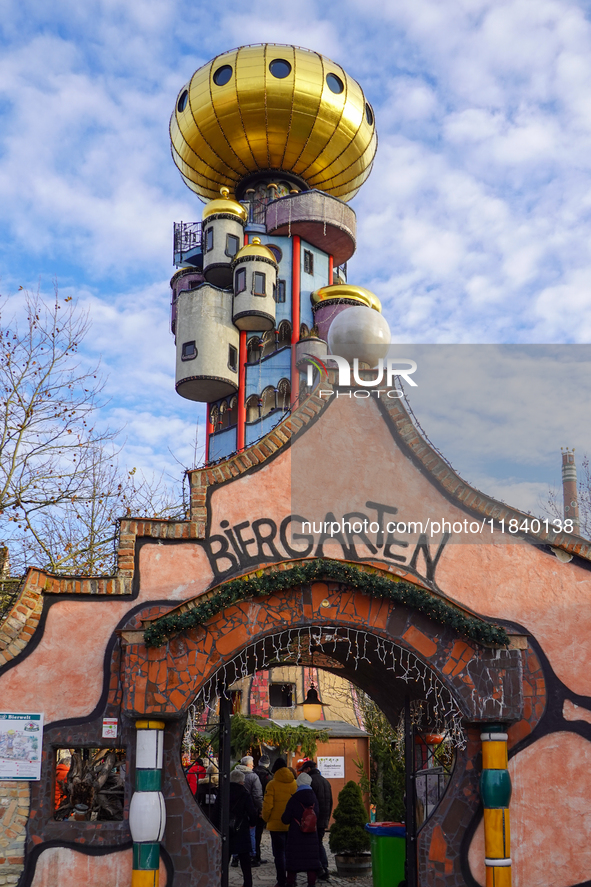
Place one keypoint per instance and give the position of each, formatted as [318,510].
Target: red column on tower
[208,431]
[295,315]
[241,433]
[241,430]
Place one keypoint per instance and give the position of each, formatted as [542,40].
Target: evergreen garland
[376,585]
[247,733]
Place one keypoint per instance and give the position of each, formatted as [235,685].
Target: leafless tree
[61,487]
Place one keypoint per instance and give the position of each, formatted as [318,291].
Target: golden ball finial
[255,249]
[226,206]
[273,108]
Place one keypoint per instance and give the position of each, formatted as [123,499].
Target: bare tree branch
[61,487]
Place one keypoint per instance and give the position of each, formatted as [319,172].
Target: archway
[409,693]
[481,682]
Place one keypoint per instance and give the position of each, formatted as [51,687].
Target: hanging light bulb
[312,705]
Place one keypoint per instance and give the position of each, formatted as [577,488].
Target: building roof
[336,728]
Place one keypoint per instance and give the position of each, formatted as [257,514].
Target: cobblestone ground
[264,875]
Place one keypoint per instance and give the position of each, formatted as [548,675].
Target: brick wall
[14,810]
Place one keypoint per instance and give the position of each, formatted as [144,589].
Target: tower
[276,139]
[569,489]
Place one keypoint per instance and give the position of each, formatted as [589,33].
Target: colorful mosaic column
[147,813]
[495,789]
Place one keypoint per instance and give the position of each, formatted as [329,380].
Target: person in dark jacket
[262,771]
[302,852]
[323,791]
[252,783]
[243,815]
[207,790]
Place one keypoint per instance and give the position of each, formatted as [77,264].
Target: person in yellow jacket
[277,794]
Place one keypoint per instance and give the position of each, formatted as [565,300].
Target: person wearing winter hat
[279,791]
[323,791]
[302,852]
[262,771]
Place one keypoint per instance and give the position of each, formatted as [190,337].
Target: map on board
[21,742]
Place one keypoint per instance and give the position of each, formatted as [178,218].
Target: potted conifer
[348,839]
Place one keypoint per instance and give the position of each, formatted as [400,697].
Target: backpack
[308,821]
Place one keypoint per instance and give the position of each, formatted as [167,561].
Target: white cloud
[475,224]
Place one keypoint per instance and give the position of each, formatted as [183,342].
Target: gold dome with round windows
[272,108]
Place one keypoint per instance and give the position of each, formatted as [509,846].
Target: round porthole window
[182,102]
[276,252]
[368,113]
[222,75]
[280,68]
[334,83]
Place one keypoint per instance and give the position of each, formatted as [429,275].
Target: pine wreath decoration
[256,585]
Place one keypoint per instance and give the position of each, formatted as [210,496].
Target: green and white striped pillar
[147,813]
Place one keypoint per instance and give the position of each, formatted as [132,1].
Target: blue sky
[475,225]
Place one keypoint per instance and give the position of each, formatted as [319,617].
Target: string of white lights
[437,711]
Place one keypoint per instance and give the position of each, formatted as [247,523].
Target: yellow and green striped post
[147,813]
[495,790]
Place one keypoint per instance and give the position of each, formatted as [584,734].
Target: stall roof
[335,728]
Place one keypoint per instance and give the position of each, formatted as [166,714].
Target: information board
[21,742]
[332,767]
[110,728]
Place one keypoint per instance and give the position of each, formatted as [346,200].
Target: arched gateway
[194,596]
[386,647]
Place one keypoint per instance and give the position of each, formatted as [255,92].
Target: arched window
[269,343]
[224,415]
[284,333]
[252,408]
[253,350]
[268,399]
[214,415]
[233,412]
[304,331]
[284,395]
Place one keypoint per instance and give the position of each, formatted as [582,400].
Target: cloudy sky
[474,227]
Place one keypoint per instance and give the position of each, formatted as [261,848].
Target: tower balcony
[320,219]
[187,246]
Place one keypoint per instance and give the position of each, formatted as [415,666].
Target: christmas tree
[347,834]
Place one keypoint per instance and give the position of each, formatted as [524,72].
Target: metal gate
[429,761]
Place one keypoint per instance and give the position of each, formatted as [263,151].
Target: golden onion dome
[276,108]
[346,291]
[255,249]
[224,204]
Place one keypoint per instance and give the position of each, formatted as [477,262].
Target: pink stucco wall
[343,460]
[62,867]
[348,458]
[550,814]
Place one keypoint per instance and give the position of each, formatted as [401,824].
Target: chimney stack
[569,488]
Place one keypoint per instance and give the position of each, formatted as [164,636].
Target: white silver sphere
[359,332]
